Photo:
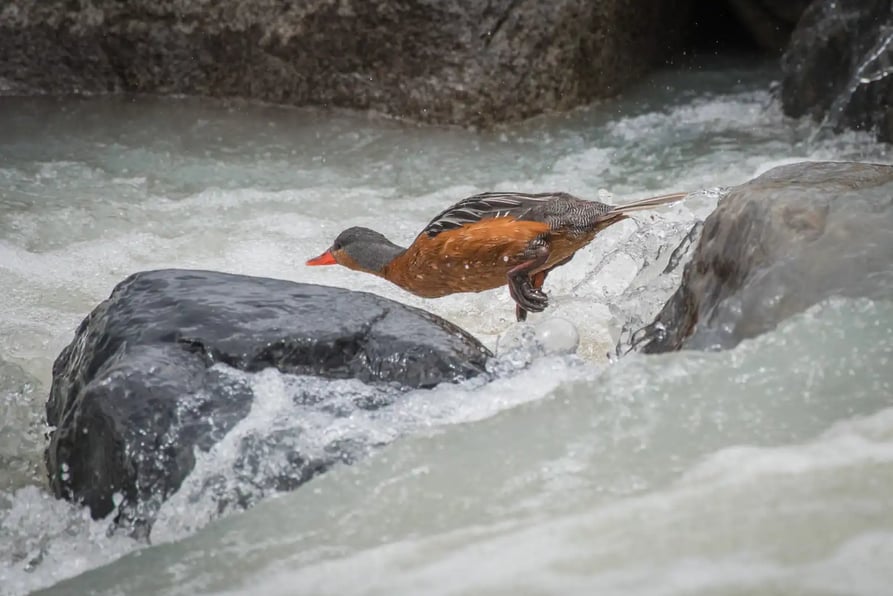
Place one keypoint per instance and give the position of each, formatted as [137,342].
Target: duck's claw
[535,300]
[527,298]
[525,289]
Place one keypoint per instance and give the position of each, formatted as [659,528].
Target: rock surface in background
[136,393]
[779,244]
[839,66]
[453,61]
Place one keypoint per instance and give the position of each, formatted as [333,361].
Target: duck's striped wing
[519,206]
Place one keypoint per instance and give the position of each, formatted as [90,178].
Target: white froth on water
[333,419]
[653,475]
[44,540]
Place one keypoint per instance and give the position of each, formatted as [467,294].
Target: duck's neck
[375,257]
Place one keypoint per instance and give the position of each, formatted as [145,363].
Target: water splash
[301,426]
[876,65]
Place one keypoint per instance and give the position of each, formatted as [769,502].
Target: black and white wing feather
[493,205]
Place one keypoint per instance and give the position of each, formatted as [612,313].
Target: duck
[484,242]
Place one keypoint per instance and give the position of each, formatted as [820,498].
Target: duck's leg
[527,296]
[537,280]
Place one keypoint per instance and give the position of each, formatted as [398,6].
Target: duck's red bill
[326,258]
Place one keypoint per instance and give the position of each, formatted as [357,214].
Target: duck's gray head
[360,249]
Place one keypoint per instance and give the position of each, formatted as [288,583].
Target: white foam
[45,540]
[333,417]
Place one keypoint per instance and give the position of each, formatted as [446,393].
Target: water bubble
[558,336]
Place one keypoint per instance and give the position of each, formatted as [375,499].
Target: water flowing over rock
[137,391]
[838,67]
[457,61]
[779,244]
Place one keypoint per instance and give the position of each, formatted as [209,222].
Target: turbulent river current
[767,468]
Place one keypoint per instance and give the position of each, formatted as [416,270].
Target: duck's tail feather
[648,203]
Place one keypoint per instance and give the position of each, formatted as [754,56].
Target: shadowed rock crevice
[742,26]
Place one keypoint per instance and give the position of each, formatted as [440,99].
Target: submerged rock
[452,61]
[839,66]
[136,392]
[779,244]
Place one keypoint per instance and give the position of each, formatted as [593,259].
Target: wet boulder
[778,244]
[453,61]
[162,369]
[838,67]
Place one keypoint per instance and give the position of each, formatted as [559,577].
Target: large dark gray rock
[136,392]
[447,61]
[839,66]
[779,244]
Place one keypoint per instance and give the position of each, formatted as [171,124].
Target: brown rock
[450,61]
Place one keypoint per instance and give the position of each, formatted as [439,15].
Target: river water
[763,469]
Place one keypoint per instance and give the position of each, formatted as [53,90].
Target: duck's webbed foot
[525,288]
